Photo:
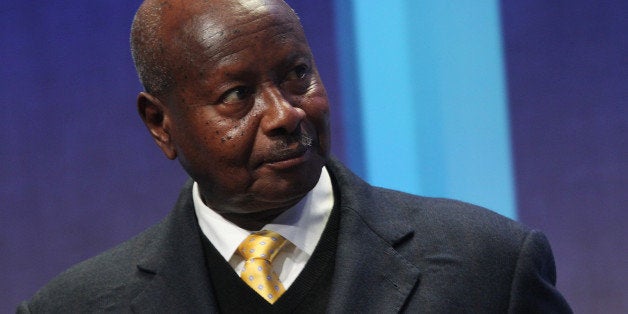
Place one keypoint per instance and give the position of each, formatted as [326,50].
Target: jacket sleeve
[23,308]
[533,288]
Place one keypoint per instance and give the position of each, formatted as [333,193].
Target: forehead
[235,26]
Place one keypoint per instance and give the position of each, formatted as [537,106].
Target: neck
[253,221]
[248,216]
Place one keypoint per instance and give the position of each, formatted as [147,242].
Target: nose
[280,116]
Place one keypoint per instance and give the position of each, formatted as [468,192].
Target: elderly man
[269,222]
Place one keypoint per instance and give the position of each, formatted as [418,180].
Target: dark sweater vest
[309,293]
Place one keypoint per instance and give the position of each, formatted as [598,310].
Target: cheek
[198,135]
[317,106]
[319,115]
[315,102]
[236,138]
[317,110]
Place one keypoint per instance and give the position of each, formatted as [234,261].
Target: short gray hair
[148,50]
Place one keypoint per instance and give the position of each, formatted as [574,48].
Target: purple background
[80,173]
[567,65]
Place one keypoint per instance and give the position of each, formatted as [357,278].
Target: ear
[157,119]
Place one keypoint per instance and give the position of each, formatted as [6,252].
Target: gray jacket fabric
[396,253]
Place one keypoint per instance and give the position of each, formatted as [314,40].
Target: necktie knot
[263,244]
[259,249]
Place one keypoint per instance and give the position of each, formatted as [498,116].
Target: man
[232,92]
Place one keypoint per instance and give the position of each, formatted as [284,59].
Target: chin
[287,191]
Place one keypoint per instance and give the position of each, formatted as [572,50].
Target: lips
[288,151]
[276,156]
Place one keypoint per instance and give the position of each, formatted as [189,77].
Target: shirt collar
[302,224]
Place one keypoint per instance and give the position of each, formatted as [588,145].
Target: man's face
[249,115]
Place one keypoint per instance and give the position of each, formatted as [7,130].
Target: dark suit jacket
[396,252]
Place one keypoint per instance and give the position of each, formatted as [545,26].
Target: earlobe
[157,119]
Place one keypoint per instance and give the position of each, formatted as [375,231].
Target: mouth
[286,155]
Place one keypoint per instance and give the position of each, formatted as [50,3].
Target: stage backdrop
[517,106]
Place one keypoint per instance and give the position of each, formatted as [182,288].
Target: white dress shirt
[302,225]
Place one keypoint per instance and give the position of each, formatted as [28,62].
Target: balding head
[234,94]
[161,31]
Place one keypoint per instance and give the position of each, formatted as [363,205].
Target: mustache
[306,140]
[290,146]
[288,142]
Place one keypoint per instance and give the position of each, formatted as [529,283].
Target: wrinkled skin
[248,116]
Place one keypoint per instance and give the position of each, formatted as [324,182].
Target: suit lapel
[174,266]
[370,275]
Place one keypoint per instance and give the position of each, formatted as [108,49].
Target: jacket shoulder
[384,210]
[106,281]
[451,216]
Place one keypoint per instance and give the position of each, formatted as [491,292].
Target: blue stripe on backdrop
[433,99]
[349,88]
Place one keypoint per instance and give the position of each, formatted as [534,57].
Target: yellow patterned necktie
[258,250]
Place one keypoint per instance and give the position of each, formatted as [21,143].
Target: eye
[298,80]
[298,73]
[236,94]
